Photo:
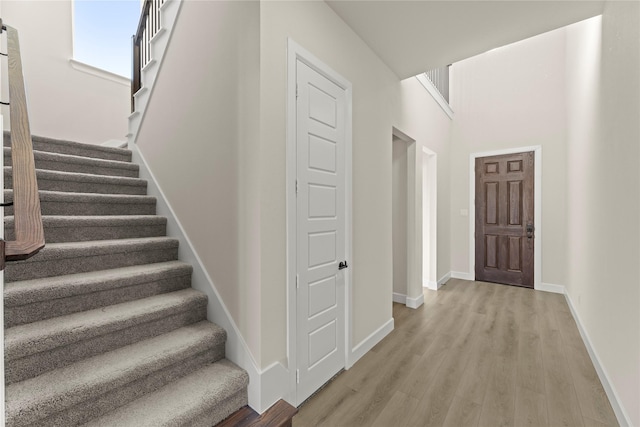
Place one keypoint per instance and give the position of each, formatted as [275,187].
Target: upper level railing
[440,79]
[29,233]
[148,26]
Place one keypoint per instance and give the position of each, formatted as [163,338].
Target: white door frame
[537,210]
[430,159]
[416,155]
[294,53]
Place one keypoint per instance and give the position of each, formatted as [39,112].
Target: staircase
[102,327]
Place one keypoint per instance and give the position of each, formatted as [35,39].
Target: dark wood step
[279,415]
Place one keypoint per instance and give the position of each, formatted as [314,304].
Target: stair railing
[440,79]
[148,26]
[29,233]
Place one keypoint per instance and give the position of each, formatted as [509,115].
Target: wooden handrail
[136,63]
[148,27]
[29,233]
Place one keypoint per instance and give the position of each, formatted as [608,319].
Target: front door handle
[530,229]
[342,265]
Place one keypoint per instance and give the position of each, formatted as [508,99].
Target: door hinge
[296,90]
[296,186]
[297,376]
[297,282]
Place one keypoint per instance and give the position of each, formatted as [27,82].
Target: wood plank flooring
[475,354]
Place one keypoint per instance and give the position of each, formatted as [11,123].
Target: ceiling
[414,36]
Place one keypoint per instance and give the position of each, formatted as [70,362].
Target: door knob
[342,265]
[530,229]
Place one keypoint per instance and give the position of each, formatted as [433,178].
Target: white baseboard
[415,302]
[273,386]
[367,344]
[409,302]
[444,279]
[399,298]
[265,384]
[550,287]
[462,276]
[430,284]
[618,409]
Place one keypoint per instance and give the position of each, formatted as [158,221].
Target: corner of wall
[614,399]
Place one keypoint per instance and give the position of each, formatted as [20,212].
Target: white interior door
[321,244]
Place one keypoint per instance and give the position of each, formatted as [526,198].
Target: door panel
[320,216]
[504,208]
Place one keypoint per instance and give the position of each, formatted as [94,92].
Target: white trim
[550,287]
[2,386]
[444,279]
[148,65]
[369,342]
[431,159]
[265,384]
[430,284]
[537,196]
[462,276]
[415,302]
[117,143]
[99,72]
[399,298]
[435,93]
[409,302]
[607,384]
[413,219]
[296,52]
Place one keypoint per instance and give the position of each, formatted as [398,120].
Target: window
[102,33]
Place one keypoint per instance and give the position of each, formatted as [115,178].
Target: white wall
[63,102]
[200,139]
[399,215]
[603,281]
[513,97]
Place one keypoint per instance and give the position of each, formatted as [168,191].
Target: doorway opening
[414,219]
[400,219]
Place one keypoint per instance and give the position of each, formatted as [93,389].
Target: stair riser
[35,269]
[35,312]
[86,150]
[112,398]
[92,208]
[36,364]
[89,233]
[80,167]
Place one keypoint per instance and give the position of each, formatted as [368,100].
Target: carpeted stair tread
[69,228]
[38,299]
[76,182]
[64,203]
[34,399]
[61,146]
[60,331]
[70,163]
[187,402]
[57,259]
[39,347]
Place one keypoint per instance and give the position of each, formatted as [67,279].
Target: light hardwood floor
[475,354]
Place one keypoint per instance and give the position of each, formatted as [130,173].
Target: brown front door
[504,219]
